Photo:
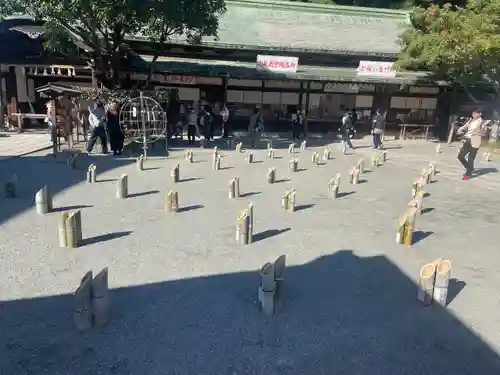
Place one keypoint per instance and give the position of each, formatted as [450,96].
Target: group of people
[348,128]
[203,124]
[104,124]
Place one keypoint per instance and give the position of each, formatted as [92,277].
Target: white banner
[277,63]
[376,68]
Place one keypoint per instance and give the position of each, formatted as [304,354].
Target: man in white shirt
[473,131]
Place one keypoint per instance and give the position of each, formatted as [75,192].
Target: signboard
[281,64]
[376,69]
[180,80]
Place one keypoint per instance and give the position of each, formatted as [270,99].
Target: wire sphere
[143,117]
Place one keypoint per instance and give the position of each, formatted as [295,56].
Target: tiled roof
[305,26]
[239,69]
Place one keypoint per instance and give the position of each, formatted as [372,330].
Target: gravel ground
[184,293]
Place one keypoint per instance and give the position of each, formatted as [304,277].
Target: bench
[416,127]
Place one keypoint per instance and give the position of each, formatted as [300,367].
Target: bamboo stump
[82,309]
[267,289]
[100,298]
[438,148]
[294,165]
[250,213]
[291,149]
[327,154]
[140,163]
[175,174]
[243,228]
[92,174]
[11,187]
[43,201]
[315,159]
[288,200]
[443,272]
[232,189]
[271,175]
[350,176]
[249,157]
[172,202]
[279,279]
[355,176]
[426,284]
[270,153]
[238,147]
[303,145]
[333,189]
[63,242]
[122,187]
[361,165]
[189,156]
[73,228]
[410,224]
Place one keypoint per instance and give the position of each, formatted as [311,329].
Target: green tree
[459,45]
[99,29]
[192,18]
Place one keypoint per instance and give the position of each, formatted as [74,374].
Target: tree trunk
[151,71]
[451,123]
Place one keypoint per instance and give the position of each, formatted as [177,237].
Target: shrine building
[276,55]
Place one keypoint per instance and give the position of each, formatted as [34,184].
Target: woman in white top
[192,120]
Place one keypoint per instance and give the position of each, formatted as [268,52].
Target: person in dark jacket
[378,125]
[115,133]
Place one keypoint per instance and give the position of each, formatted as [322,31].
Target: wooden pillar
[301,99]
[224,88]
[308,90]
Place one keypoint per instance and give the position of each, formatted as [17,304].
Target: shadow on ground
[341,314]
[33,172]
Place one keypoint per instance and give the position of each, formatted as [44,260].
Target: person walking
[207,123]
[97,121]
[473,131]
[378,125]
[192,120]
[115,132]
[295,125]
[255,126]
[346,127]
[224,116]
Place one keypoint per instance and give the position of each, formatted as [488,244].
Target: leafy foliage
[460,45]
[192,18]
[98,29]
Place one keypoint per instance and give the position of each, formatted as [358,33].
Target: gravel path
[184,294]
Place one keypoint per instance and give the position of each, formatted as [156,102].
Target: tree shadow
[143,193]
[191,179]
[191,208]
[455,286]
[343,194]
[69,208]
[420,235]
[249,194]
[268,234]
[426,210]
[303,207]
[337,312]
[104,237]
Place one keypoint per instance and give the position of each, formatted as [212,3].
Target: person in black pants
[97,121]
[192,120]
[115,133]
